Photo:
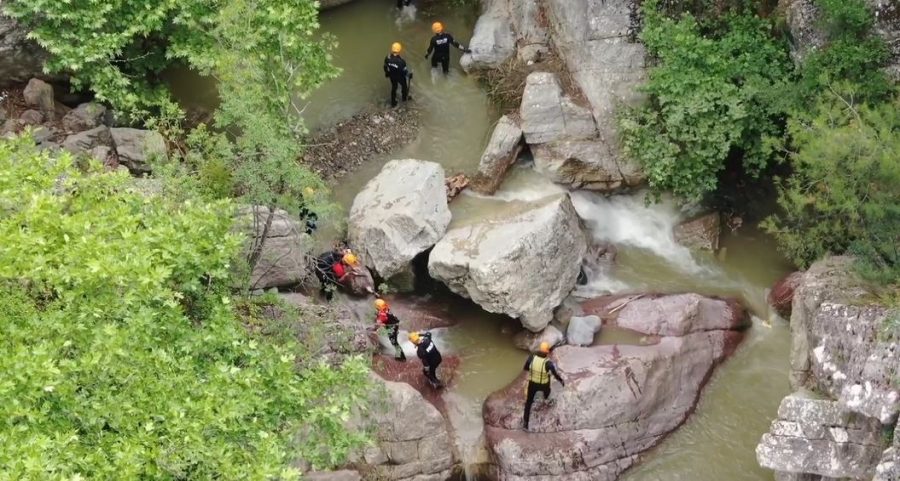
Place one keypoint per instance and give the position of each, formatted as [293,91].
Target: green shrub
[711,94]
[843,195]
[121,353]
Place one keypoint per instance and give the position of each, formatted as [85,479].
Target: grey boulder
[136,148]
[399,214]
[581,330]
[285,247]
[493,42]
[531,341]
[84,117]
[701,232]
[39,95]
[84,142]
[522,264]
[548,115]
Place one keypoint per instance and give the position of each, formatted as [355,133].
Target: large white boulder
[522,265]
[499,155]
[285,247]
[586,164]
[493,42]
[399,214]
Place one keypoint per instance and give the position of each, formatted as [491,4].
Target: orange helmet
[437,27]
[381,304]
[545,347]
[396,47]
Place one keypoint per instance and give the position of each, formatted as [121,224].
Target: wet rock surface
[586,164]
[701,232]
[399,214]
[531,341]
[820,438]
[339,149]
[781,297]
[618,400]
[522,264]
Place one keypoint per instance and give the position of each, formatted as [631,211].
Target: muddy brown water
[717,442]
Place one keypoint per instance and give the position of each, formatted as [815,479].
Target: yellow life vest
[538,372]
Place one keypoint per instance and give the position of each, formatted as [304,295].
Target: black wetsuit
[308,217]
[396,70]
[538,381]
[325,272]
[431,358]
[440,45]
[392,323]
[403,3]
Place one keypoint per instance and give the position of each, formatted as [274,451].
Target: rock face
[84,142]
[416,451]
[700,233]
[522,265]
[493,42]
[593,36]
[782,294]
[618,400]
[500,153]
[818,437]
[548,115]
[839,351]
[20,59]
[136,148]
[283,261]
[399,214]
[888,468]
[586,164]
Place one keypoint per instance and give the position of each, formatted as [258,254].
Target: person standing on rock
[429,354]
[440,45]
[385,318]
[539,370]
[395,69]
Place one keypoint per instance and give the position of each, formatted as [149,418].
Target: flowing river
[456,118]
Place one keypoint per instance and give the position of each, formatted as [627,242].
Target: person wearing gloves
[440,45]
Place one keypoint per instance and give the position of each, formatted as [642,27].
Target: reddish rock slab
[781,297]
[410,372]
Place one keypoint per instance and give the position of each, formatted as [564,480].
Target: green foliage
[711,95]
[843,195]
[119,48]
[123,358]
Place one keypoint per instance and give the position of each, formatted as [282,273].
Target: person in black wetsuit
[440,45]
[332,268]
[396,70]
[429,354]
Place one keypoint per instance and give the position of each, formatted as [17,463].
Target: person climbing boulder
[539,370]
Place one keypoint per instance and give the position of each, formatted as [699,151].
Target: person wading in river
[429,354]
[384,318]
[395,69]
[539,370]
[440,45]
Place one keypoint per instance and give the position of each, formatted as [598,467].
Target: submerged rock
[818,437]
[399,214]
[500,154]
[522,265]
[700,233]
[531,341]
[586,164]
[618,400]
[548,115]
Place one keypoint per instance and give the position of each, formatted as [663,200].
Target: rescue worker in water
[539,369]
[385,318]
[395,69]
[440,45]
[429,354]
